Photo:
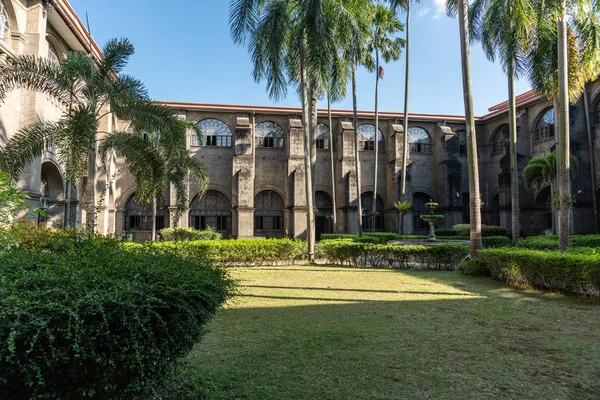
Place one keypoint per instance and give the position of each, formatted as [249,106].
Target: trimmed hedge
[496,242]
[486,230]
[576,272]
[551,242]
[345,252]
[99,320]
[189,234]
[246,252]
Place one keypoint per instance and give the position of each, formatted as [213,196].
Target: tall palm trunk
[405,123]
[356,159]
[314,99]
[564,179]
[334,215]
[68,209]
[310,239]
[475,201]
[374,206]
[514,167]
[91,217]
[153,220]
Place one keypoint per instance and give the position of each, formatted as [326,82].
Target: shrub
[247,252]
[100,319]
[368,237]
[462,229]
[496,241]
[445,232]
[189,234]
[576,272]
[551,242]
[345,252]
[486,230]
[474,266]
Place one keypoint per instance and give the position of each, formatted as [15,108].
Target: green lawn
[312,332]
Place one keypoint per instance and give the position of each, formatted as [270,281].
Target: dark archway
[213,210]
[543,214]
[367,221]
[268,214]
[53,196]
[137,219]
[419,208]
[324,214]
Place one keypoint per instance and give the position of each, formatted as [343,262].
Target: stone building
[255,159]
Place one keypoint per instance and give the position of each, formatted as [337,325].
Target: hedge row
[574,272]
[247,252]
[383,238]
[486,230]
[91,318]
[189,234]
[346,252]
[551,242]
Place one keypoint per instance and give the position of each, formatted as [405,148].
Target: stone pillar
[348,175]
[452,204]
[394,175]
[296,185]
[243,179]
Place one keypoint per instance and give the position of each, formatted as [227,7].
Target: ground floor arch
[372,224]
[52,201]
[268,214]
[324,213]
[137,219]
[419,199]
[211,210]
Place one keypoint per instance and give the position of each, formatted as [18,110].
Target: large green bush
[189,234]
[95,319]
[551,242]
[486,230]
[346,252]
[247,252]
[576,272]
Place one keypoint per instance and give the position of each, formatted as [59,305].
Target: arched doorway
[214,210]
[543,215]
[324,214]
[367,204]
[268,214]
[137,219]
[419,208]
[52,200]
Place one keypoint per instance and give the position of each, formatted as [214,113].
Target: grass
[313,332]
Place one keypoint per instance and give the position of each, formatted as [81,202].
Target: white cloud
[422,12]
[436,16]
[440,8]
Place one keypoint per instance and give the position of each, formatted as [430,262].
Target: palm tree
[402,208]
[503,28]
[287,40]
[405,4]
[541,171]
[89,90]
[158,157]
[385,25]
[461,7]
[565,55]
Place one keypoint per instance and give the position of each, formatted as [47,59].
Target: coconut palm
[461,8]
[156,158]
[565,55]
[291,39]
[402,208]
[406,5]
[386,47]
[503,28]
[89,90]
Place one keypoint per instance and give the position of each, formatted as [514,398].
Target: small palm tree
[89,91]
[156,158]
[402,208]
[385,26]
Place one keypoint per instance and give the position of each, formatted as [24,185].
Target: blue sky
[184,53]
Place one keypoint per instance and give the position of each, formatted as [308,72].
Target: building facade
[255,157]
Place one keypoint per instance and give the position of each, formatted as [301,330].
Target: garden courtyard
[308,332]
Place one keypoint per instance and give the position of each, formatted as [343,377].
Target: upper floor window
[366,138]
[461,134]
[215,133]
[322,135]
[544,128]
[269,134]
[500,139]
[4,24]
[418,140]
[53,53]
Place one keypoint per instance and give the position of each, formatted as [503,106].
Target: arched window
[53,53]
[322,136]
[367,206]
[597,113]
[366,138]
[544,128]
[213,210]
[268,214]
[324,213]
[4,24]
[215,133]
[138,217]
[461,134]
[419,141]
[500,139]
[269,134]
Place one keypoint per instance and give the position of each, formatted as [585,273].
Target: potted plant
[431,219]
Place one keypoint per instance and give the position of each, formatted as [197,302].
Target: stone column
[394,175]
[295,181]
[348,176]
[243,179]
[452,205]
